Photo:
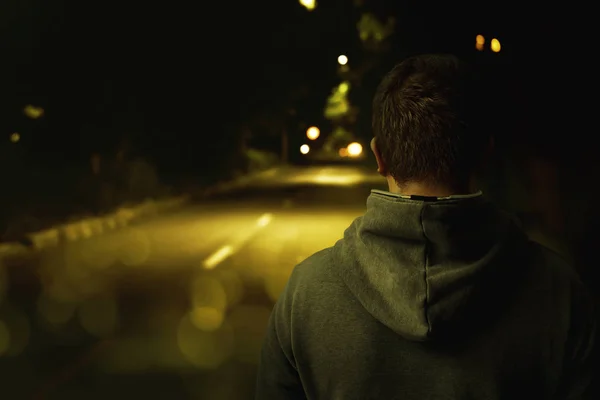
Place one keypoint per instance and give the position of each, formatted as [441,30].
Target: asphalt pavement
[174,307]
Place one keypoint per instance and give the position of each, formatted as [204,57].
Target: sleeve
[277,375]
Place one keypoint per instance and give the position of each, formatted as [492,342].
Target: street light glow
[354,149]
[313,133]
[304,149]
[495,45]
[344,87]
[479,42]
[309,4]
[15,137]
[342,60]
[33,112]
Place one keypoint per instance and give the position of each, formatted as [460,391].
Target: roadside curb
[86,228]
[122,217]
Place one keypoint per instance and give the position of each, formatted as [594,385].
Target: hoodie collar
[425,198]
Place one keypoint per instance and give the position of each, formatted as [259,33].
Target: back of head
[423,121]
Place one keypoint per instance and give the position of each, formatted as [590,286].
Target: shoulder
[314,279]
[311,277]
[316,267]
[304,287]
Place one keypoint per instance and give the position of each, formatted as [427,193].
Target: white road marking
[264,220]
[228,250]
[218,256]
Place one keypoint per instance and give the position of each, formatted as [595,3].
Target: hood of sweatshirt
[424,267]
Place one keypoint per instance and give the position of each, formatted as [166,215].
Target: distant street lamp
[309,4]
[495,45]
[355,149]
[304,149]
[15,137]
[313,133]
[479,42]
[342,60]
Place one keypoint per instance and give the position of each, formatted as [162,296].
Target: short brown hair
[421,121]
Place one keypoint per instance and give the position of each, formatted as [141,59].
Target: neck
[428,190]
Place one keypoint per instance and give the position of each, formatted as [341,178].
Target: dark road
[174,307]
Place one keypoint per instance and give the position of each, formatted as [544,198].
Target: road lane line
[218,256]
[264,220]
[228,250]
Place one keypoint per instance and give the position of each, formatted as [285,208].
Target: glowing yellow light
[344,87]
[313,133]
[479,42]
[33,112]
[342,60]
[495,45]
[309,4]
[15,137]
[354,149]
[304,149]
[343,152]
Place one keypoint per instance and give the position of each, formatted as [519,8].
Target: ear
[381,168]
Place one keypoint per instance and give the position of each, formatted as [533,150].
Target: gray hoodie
[441,298]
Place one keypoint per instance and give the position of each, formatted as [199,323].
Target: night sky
[179,78]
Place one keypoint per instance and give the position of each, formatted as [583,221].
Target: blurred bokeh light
[495,45]
[313,133]
[479,42]
[354,149]
[309,4]
[33,112]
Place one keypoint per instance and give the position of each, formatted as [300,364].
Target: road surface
[174,307]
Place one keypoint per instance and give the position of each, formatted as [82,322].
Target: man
[433,293]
